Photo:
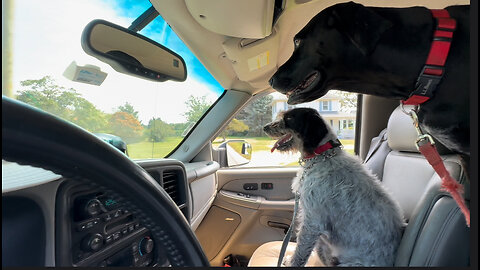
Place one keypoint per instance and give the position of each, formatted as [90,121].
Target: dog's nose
[265,128]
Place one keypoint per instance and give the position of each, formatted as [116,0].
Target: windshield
[150,117]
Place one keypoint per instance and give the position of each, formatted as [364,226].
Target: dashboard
[76,222]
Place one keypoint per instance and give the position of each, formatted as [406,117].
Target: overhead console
[243,19]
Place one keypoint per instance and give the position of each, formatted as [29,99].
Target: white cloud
[47,39]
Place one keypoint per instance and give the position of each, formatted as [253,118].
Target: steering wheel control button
[93,242]
[131,228]
[125,231]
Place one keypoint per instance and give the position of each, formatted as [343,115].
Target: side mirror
[131,53]
[234,153]
[113,140]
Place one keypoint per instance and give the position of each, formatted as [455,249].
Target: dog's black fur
[381,51]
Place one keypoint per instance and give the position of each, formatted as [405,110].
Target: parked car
[185,86]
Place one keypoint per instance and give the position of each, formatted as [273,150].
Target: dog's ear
[361,25]
[314,130]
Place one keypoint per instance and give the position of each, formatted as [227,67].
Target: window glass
[340,113]
[150,117]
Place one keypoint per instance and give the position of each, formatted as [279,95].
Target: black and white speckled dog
[344,211]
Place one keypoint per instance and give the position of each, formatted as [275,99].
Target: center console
[100,231]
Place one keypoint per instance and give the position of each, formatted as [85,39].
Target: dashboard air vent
[170,185]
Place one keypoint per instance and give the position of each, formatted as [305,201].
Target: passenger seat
[436,234]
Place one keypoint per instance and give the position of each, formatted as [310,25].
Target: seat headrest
[402,135]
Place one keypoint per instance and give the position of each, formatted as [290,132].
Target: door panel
[280,178]
[265,214]
[217,228]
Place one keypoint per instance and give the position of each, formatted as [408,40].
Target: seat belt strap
[287,237]
[381,138]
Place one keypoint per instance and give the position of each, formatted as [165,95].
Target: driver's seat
[436,234]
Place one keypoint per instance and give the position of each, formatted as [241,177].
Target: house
[329,106]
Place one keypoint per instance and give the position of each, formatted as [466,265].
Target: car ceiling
[223,51]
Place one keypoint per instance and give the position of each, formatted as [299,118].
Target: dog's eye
[297,42]
[288,119]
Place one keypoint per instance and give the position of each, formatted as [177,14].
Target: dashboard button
[117,213]
[93,207]
[108,239]
[107,217]
[146,246]
[93,242]
[116,235]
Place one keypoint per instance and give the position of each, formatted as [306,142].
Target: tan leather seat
[267,255]
[416,186]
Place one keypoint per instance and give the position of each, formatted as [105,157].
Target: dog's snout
[279,82]
[266,128]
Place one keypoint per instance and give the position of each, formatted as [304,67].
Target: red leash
[426,146]
[448,183]
[427,82]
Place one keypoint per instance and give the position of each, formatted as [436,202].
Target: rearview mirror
[131,53]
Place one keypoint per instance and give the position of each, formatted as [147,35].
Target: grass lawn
[161,149]
[153,150]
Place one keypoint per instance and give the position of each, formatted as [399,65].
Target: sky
[47,39]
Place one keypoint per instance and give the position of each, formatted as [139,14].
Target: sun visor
[243,19]
[252,59]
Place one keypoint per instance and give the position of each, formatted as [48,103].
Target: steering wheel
[31,136]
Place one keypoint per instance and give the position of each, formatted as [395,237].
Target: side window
[337,108]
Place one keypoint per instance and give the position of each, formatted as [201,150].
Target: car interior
[70,198]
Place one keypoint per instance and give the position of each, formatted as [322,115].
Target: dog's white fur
[345,213]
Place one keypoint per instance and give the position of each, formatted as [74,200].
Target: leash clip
[422,138]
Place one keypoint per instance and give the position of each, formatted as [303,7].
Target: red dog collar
[324,147]
[433,70]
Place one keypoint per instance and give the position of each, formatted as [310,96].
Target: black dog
[381,51]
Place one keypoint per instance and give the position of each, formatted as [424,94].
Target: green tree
[128,108]
[256,115]
[348,101]
[235,128]
[197,106]
[68,104]
[126,126]
[157,130]
[179,128]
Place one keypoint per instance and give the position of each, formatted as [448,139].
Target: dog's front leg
[307,238]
